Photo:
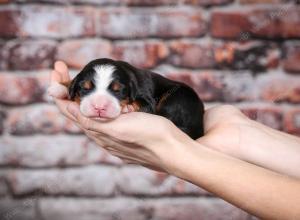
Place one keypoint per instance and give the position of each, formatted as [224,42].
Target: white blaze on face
[101,103]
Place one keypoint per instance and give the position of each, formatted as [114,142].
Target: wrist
[177,159]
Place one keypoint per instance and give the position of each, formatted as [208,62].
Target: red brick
[144,54]
[86,181]
[58,22]
[165,23]
[267,22]
[292,121]
[268,115]
[292,59]
[280,88]
[215,86]
[9,22]
[153,183]
[192,54]
[77,53]
[15,90]
[229,24]
[5,1]
[52,151]
[28,55]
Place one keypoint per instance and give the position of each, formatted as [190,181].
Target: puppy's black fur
[154,94]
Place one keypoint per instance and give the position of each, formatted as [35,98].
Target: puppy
[106,88]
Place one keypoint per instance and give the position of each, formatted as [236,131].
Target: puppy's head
[103,87]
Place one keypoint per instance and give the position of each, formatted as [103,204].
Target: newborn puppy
[106,88]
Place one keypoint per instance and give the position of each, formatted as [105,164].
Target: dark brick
[255,56]
[9,22]
[137,23]
[2,118]
[292,121]
[292,59]
[267,22]
[28,55]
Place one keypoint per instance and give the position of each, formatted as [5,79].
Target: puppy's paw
[57,90]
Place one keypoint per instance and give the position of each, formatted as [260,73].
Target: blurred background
[242,52]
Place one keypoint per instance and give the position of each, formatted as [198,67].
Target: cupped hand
[136,137]
[148,139]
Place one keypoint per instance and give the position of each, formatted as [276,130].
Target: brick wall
[244,52]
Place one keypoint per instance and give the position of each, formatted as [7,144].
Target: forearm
[270,148]
[254,189]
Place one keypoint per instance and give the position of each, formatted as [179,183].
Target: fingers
[63,105]
[59,75]
[57,90]
[62,68]
[55,77]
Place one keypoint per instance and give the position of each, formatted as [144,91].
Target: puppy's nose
[101,107]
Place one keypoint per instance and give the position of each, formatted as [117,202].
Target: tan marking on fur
[136,105]
[77,99]
[87,84]
[116,86]
[161,101]
[124,102]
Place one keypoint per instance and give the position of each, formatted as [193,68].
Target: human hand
[223,128]
[137,137]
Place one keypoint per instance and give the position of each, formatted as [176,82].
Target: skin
[246,163]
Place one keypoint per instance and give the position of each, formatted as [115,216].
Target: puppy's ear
[73,88]
[132,86]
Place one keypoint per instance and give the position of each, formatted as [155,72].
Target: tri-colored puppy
[106,88]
